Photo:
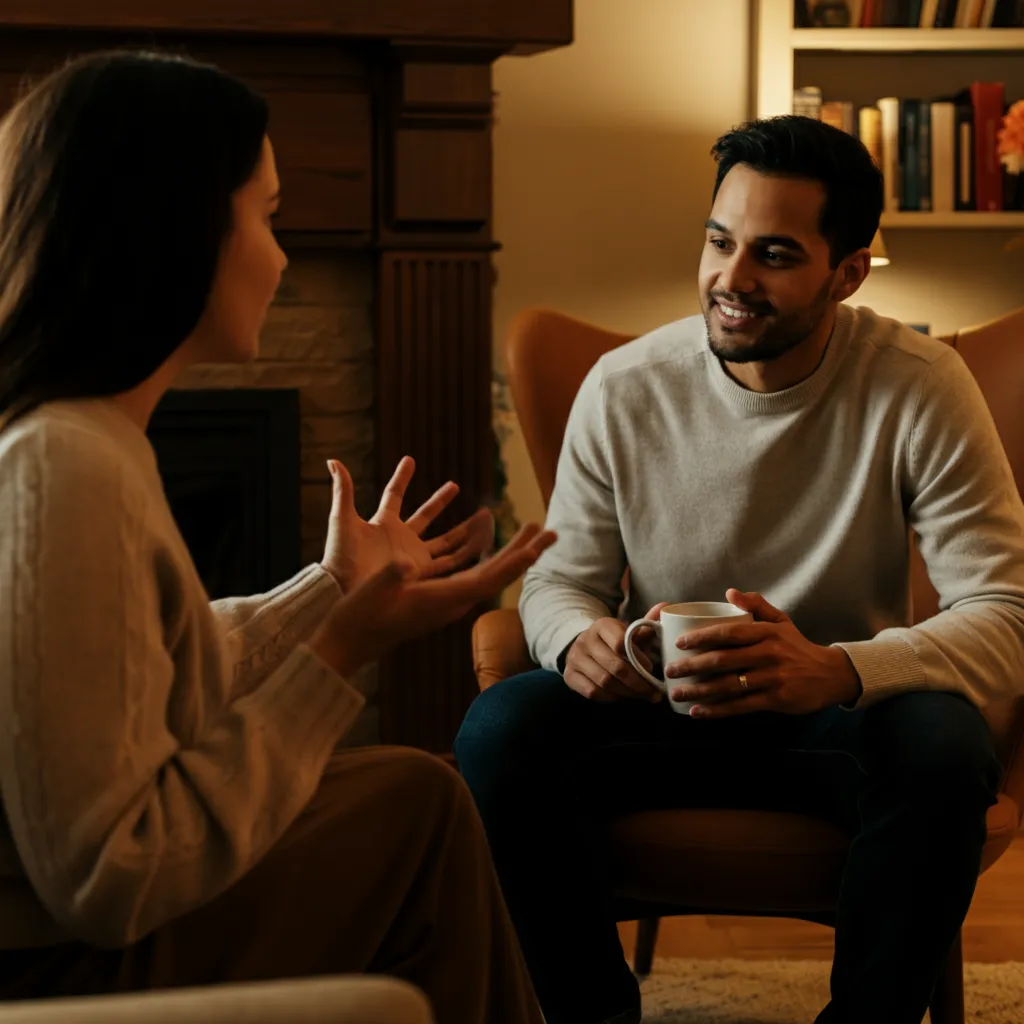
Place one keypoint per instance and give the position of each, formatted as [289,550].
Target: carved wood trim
[434,365]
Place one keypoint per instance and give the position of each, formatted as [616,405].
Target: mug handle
[628,643]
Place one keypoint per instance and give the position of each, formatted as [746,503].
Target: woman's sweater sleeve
[122,825]
[263,629]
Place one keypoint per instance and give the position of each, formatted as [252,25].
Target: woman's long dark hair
[116,175]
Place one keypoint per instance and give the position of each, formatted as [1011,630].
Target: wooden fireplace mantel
[380,113]
[521,25]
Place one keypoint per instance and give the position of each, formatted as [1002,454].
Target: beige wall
[603,179]
[602,172]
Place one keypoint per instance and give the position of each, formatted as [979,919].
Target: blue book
[924,154]
[910,159]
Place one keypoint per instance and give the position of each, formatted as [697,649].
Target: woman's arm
[262,630]
[120,823]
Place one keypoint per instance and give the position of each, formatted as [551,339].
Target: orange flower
[1011,139]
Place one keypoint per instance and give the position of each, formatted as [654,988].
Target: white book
[890,111]
[988,13]
[943,157]
[929,9]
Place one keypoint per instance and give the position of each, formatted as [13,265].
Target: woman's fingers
[432,508]
[394,493]
[489,578]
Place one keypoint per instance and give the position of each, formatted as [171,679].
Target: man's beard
[777,339]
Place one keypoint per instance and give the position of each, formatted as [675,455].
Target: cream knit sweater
[152,746]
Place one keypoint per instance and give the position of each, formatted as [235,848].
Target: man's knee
[937,744]
[511,716]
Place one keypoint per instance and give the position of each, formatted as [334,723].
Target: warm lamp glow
[879,253]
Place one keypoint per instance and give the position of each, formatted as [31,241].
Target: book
[856,12]
[838,113]
[829,13]
[943,115]
[867,17]
[968,13]
[910,155]
[988,13]
[889,111]
[924,155]
[1006,14]
[893,12]
[963,110]
[989,102]
[807,102]
[928,11]
[869,128]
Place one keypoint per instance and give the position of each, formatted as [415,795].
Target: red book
[867,15]
[989,101]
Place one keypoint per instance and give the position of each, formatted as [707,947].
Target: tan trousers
[387,871]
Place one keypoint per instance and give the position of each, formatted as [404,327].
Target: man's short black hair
[801,147]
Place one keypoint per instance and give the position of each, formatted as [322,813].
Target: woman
[175,813]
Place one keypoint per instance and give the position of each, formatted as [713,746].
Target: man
[776,451]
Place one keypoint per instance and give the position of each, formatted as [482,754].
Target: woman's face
[248,272]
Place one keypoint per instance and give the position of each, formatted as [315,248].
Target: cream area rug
[794,991]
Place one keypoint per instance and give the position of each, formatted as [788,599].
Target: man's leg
[547,768]
[387,871]
[926,773]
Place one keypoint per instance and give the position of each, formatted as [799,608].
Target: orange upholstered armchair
[671,862]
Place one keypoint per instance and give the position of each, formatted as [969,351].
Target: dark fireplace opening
[229,460]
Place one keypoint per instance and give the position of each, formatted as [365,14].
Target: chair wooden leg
[646,937]
[947,1006]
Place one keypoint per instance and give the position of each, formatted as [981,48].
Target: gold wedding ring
[743,681]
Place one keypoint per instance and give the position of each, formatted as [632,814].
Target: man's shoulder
[892,340]
[679,343]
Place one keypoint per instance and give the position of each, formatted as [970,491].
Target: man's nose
[737,276]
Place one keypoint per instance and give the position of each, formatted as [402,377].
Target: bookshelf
[855,59]
[1011,220]
[907,40]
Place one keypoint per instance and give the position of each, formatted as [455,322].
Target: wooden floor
[993,931]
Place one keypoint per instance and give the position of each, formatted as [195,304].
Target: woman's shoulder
[69,449]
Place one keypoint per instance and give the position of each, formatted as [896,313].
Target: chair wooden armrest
[499,647]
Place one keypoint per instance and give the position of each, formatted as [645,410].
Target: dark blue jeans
[910,777]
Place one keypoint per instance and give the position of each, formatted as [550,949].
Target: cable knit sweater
[153,745]
[805,495]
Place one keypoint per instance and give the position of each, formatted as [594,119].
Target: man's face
[765,280]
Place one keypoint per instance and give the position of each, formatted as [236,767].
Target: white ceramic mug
[677,620]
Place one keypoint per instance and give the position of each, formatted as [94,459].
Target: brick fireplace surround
[381,121]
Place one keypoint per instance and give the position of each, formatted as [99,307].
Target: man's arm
[969,520]
[578,579]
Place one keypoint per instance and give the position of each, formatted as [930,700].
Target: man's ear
[851,274]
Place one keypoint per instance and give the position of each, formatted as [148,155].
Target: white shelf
[1012,220]
[908,40]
